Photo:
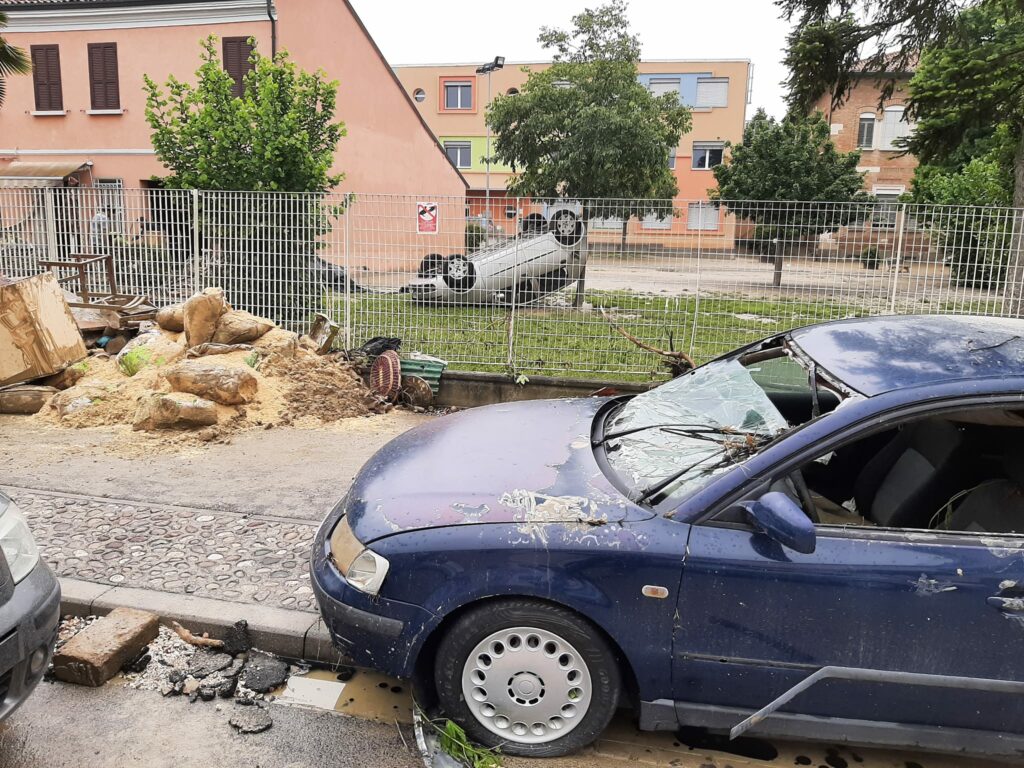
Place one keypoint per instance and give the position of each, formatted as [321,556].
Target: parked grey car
[543,258]
[29,609]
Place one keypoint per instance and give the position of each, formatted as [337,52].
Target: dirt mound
[321,388]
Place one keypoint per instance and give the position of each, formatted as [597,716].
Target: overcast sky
[448,31]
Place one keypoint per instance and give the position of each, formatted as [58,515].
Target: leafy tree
[598,34]
[970,77]
[586,127]
[974,243]
[781,169]
[279,136]
[13,61]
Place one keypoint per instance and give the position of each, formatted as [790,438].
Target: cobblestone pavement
[217,554]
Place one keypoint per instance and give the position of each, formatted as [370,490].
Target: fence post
[50,215]
[515,292]
[696,303]
[898,259]
[346,265]
[196,275]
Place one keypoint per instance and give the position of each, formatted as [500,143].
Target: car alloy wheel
[566,228]
[459,273]
[526,685]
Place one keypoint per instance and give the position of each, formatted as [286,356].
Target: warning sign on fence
[426,218]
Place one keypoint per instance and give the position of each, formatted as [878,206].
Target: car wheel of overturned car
[534,678]
[459,272]
[432,265]
[534,224]
[566,227]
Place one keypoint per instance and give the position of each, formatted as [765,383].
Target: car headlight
[16,540]
[363,568]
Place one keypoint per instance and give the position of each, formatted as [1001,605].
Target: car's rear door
[756,619]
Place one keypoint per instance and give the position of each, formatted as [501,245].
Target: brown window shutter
[237,51]
[104,87]
[46,78]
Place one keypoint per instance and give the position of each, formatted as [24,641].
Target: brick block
[98,652]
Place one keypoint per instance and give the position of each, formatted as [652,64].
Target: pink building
[81,112]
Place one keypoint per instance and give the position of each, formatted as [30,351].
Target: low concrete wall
[465,389]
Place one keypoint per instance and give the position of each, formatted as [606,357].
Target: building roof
[880,354]
[27,4]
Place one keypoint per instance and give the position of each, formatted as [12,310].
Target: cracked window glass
[673,439]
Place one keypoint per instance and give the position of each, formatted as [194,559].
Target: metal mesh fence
[529,286]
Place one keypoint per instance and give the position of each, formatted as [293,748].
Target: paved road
[63,726]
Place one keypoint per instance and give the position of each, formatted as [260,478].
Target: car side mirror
[780,518]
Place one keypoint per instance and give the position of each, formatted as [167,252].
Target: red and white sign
[426,218]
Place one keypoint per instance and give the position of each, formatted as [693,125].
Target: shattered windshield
[671,440]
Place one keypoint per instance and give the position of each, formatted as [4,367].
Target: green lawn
[580,342]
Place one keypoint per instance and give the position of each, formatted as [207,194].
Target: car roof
[873,355]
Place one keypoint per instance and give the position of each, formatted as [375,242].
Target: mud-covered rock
[277,341]
[174,410]
[227,385]
[240,327]
[171,318]
[150,348]
[201,314]
[25,398]
[78,398]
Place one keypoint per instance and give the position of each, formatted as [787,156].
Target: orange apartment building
[452,99]
[81,113]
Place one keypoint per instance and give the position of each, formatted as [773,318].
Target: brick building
[861,124]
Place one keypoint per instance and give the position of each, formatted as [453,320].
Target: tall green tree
[278,137]
[13,61]
[586,127]
[969,58]
[597,34]
[780,169]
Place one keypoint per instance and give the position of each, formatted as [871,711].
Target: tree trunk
[1013,288]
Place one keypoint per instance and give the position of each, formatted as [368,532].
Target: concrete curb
[293,634]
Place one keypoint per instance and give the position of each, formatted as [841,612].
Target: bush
[870,259]
[476,236]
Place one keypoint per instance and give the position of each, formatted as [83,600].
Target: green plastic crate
[426,367]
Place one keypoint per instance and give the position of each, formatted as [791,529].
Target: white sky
[448,31]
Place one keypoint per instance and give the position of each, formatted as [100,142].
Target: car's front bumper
[28,623]
[371,632]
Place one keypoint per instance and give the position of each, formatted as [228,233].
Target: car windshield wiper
[752,441]
[686,430]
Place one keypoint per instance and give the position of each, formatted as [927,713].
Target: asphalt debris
[204,663]
[263,672]
[250,718]
[237,638]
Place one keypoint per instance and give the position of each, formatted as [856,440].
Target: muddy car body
[29,610]
[736,549]
[542,259]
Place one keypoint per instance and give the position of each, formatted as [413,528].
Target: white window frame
[901,129]
[610,223]
[672,159]
[111,197]
[461,85]
[864,116]
[652,221]
[886,214]
[675,82]
[703,219]
[459,147]
[705,145]
[721,102]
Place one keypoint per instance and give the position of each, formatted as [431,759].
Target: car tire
[459,273]
[431,266]
[545,663]
[566,227]
[534,224]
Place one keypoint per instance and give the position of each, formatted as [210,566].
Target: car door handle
[1007,604]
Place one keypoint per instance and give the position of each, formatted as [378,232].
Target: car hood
[528,463]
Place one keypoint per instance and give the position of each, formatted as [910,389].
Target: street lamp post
[487,69]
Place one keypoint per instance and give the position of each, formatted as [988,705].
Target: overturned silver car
[543,258]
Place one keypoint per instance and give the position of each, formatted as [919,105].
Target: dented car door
[757,619]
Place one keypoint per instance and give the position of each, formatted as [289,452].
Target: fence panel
[571,288]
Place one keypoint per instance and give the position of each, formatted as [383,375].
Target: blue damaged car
[820,535]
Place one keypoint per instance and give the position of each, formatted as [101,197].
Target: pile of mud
[167,387]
